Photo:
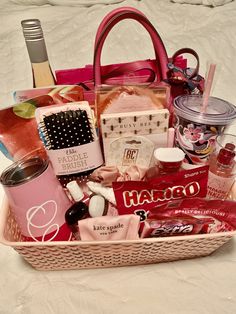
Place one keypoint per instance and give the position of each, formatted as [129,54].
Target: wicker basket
[78,255]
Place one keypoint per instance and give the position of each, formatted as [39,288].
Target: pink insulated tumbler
[37,200]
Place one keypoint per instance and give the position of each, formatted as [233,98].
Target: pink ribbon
[108,174]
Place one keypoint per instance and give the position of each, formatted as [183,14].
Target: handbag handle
[132,67]
[110,22]
[110,16]
[191,52]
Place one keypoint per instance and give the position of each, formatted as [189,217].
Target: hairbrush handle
[114,18]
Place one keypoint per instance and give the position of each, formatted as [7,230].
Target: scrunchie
[108,174]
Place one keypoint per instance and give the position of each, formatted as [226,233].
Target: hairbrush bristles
[69,136]
[67,129]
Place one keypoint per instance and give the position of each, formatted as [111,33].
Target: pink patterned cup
[37,200]
[195,131]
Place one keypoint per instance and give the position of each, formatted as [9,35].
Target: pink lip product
[169,159]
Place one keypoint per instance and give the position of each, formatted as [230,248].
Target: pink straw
[208,85]
[171,137]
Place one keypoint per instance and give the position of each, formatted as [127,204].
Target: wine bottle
[34,38]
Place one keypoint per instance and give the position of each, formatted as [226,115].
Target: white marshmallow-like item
[75,191]
[96,206]
[106,192]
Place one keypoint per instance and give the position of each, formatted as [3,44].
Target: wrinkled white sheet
[204,285]
[86,3]
[213,3]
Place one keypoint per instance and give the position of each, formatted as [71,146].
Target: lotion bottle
[221,173]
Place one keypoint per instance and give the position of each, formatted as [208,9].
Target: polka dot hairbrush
[69,136]
[66,129]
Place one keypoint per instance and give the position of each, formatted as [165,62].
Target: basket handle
[109,22]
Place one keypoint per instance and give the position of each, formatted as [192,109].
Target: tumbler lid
[169,154]
[23,170]
[218,111]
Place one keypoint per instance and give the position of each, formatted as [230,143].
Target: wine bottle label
[218,187]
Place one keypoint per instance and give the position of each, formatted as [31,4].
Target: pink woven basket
[97,254]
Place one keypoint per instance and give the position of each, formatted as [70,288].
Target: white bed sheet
[203,285]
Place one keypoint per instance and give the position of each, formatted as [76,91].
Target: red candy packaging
[190,216]
[139,197]
[162,226]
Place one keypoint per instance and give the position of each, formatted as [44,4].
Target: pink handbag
[161,70]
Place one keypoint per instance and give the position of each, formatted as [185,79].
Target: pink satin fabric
[108,174]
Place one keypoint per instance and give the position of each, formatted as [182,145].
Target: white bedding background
[205,285]
[86,3]
[213,3]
